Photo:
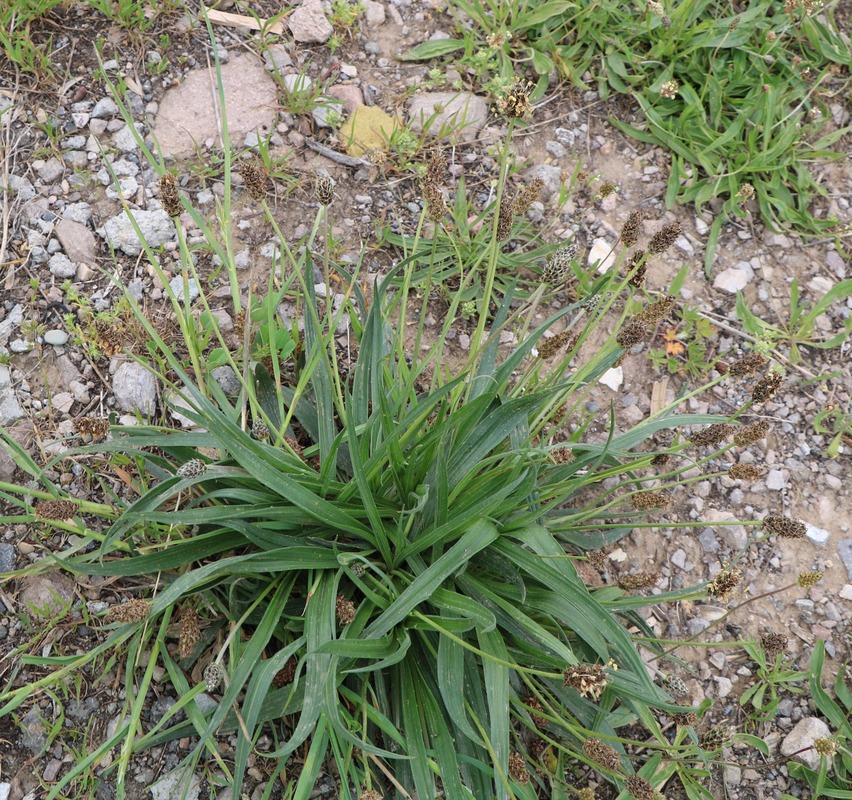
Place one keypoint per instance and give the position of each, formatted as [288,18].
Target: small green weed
[687,344]
[837,423]
[774,678]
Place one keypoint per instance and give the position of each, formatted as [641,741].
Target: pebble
[799,742]
[775,480]
[844,550]
[7,557]
[816,535]
[176,284]
[134,387]
[731,280]
[55,337]
[61,266]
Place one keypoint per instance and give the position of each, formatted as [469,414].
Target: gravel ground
[63,217]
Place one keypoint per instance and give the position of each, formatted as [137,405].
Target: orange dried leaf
[673,346]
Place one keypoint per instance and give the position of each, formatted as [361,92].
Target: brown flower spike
[767,387]
[662,241]
[773,644]
[747,365]
[640,788]
[712,435]
[587,679]
[56,510]
[745,472]
[631,228]
[131,611]
[785,527]
[601,753]
[751,434]
[723,585]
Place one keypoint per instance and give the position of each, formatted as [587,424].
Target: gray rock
[77,241]
[76,159]
[449,115]
[125,139]
[22,187]
[81,710]
[51,171]
[206,703]
[135,388]
[679,558]
[226,378]
[156,226]
[802,737]
[181,783]
[61,266]
[775,480]
[708,541]
[10,409]
[844,550]
[374,14]
[33,731]
[177,287]
[731,280]
[135,289]
[277,58]
[817,535]
[55,337]
[308,23]
[7,557]
[550,174]
[78,212]
[734,536]
[46,594]
[13,319]
[105,108]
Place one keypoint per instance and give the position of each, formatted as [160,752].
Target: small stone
[679,558]
[731,280]
[816,535]
[61,266]
[77,241]
[177,286]
[22,187]
[33,731]
[374,13]
[276,58]
[135,388]
[802,738]
[10,409]
[448,115]
[724,686]
[308,23]
[180,783]
[844,546]
[350,95]
[125,139]
[105,108]
[55,337]
[846,592]
[612,378]
[7,557]
[156,226]
[227,379]
[601,256]
[51,171]
[775,480]
[46,594]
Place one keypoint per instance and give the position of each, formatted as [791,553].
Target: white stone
[448,115]
[56,337]
[10,410]
[816,535]
[846,592]
[602,254]
[775,480]
[135,388]
[613,378]
[802,737]
[181,783]
[177,287]
[724,686]
[731,281]
[679,558]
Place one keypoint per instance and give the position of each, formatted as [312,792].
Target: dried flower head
[259,429]
[92,429]
[632,227]
[712,435]
[558,266]
[826,747]
[808,579]
[56,510]
[767,387]
[516,103]
[601,753]
[751,434]
[658,310]
[345,610]
[670,89]
[664,239]
[108,337]
[323,189]
[255,175]
[685,720]
[648,500]
[717,737]
[661,459]
[606,189]
[189,632]
[587,679]
[723,585]
[785,527]
[518,771]
[676,686]
[745,193]
[505,218]
[586,793]
[749,364]
[193,468]
[745,472]
[370,794]
[437,167]
[637,262]
[131,611]
[534,704]
[436,205]
[640,788]
[169,196]
[564,340]
[638,581]
[213,675]
[285,675]
[529,194]
[773,644]
[632,333]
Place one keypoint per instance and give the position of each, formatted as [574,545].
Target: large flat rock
[187,115]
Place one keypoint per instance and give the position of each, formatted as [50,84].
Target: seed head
[658,310]
[92,429]
[712,435]
[558,266]
[745,472]
[745,193]
[676,686]
[586,793]
[131,611]
[606,189]
[213,675]
[108,338]
[518,771]
[632,333]
[749,364]
[169,196]
[286,674]
[437,168]
[587,679]
[259,429]
[601,753]
[723,585]
[516,103]
[686,720]
[648,500]
[597,558]
[660,460]
[640,788]
[193,468]
[370,794]
[631,228]
[189,632]
[664,239]
[529,194]
[638,581]
[550,347]
[256,178]
[505,218]
[717,737]
[637,280]
[808,579]
[826,747]
[56,510]
[750,434]
[773,644]
[767,387]
[785,527]
[436,205]
[534,703]
[345,610]
[323,189]
[670,89]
